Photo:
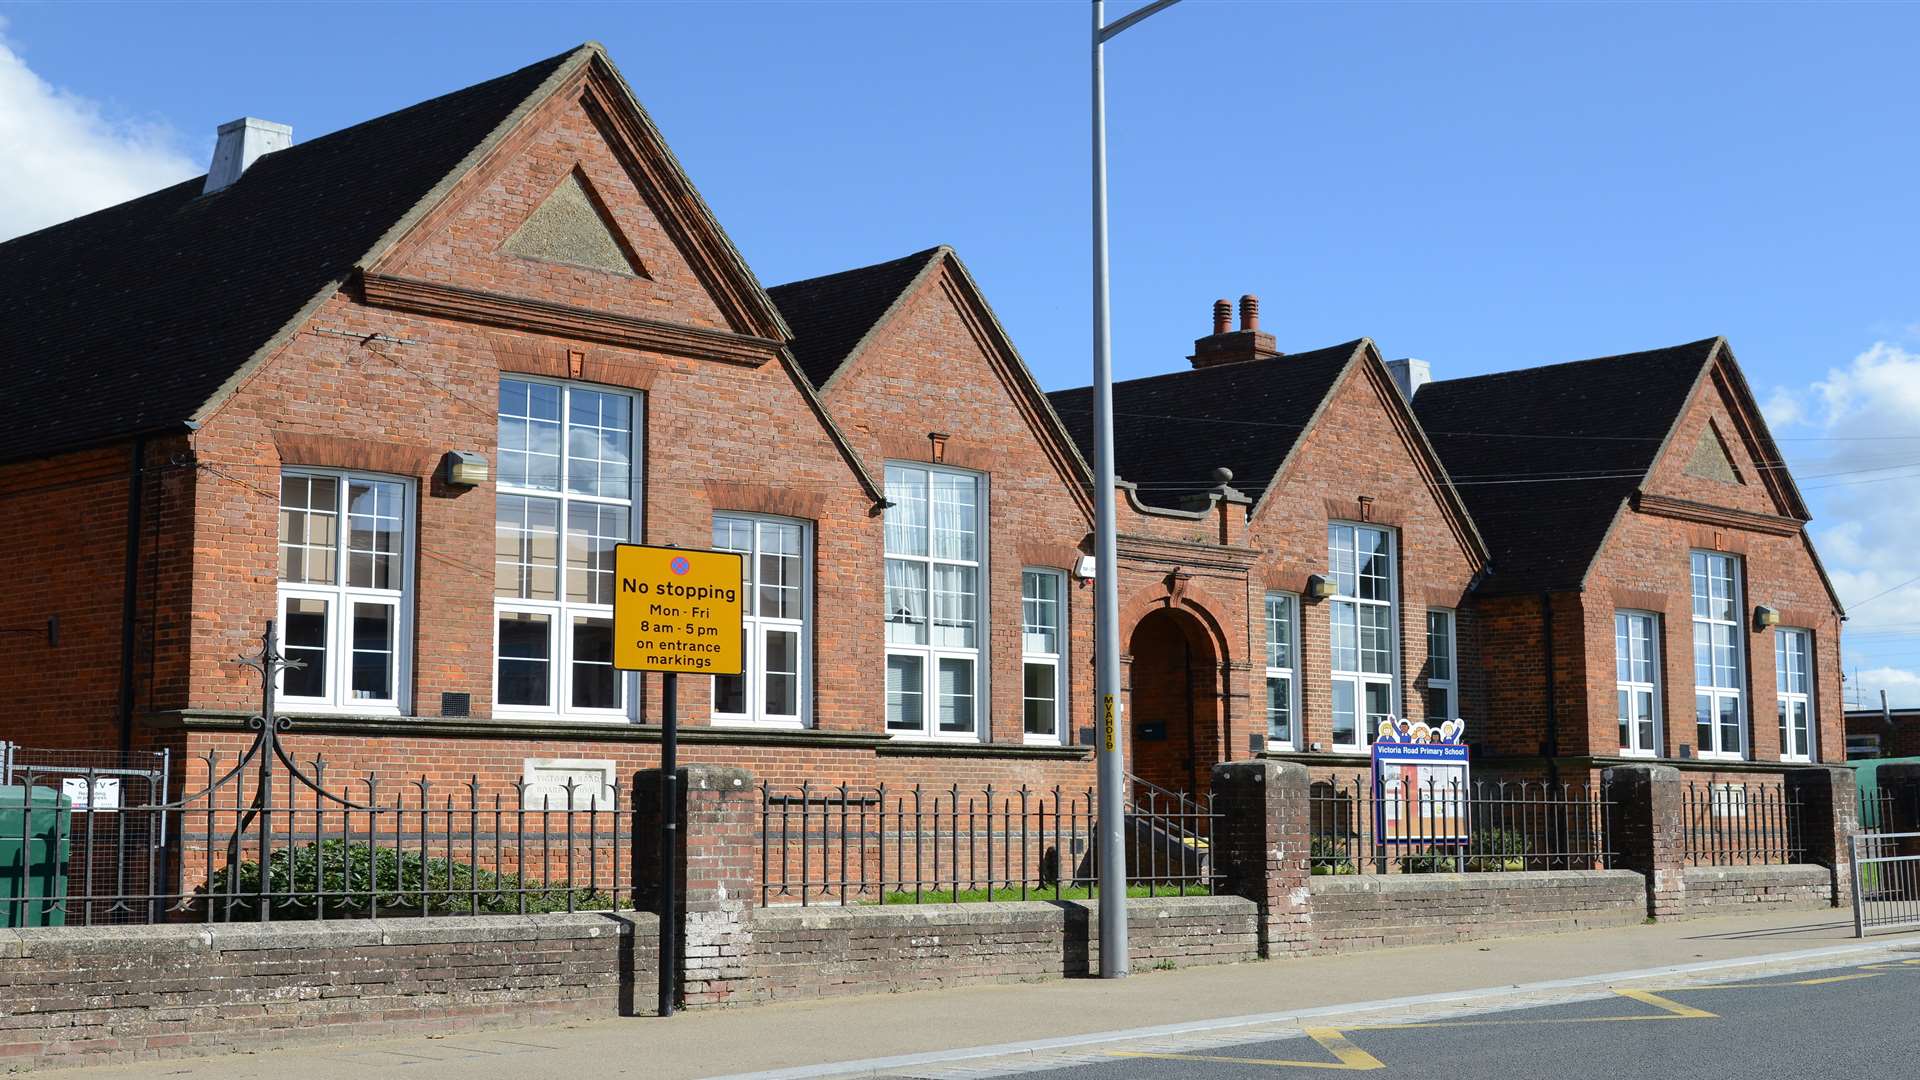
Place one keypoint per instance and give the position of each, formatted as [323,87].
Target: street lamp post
[1106,632]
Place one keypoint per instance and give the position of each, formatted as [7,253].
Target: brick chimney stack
[1229,346]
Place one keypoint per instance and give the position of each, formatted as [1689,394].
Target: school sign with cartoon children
[1420,782]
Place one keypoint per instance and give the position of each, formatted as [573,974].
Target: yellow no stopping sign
[677,610]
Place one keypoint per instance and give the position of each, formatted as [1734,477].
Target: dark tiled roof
[1545,456]
[830,315]
[1171,431]
[130,319]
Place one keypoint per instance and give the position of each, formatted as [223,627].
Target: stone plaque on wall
[546,781]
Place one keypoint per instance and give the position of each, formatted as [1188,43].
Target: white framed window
[1718,701]
[1283,691]
[1793,683]
[567,495]
[346,587]
[1443,682]
[1043,654]
[935,562]
[1364,645]
[776,623]
[1636,673]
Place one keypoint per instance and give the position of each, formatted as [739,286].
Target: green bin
[34,845]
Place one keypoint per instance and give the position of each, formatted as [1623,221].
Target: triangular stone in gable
[1710,460]
[571,226]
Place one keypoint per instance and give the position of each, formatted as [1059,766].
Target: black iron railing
[1436,827]
[919,844]
[1741,824]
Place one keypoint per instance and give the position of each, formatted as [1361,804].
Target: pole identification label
[1107,725]
[677,610]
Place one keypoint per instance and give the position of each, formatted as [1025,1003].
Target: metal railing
[111,851]
[1435,827]
[880,844]
[1741,824]
[1886,881]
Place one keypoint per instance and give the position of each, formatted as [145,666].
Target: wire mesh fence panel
[1741,824]
[112,852]
[1407,827]
[881,844]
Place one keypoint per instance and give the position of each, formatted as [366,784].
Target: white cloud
[1902,687]
[62,155]
[1783,408]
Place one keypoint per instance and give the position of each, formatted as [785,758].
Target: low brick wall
[1387,910]
[1725,890]
[816,951]
[84,995]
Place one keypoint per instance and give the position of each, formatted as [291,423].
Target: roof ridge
[1346,347]
[927,253]
[1706,342]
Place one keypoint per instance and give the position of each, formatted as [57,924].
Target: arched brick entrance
[1174,694]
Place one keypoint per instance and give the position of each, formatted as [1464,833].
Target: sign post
[674,611]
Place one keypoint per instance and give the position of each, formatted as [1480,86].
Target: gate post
[1829,814]
[718,875]
[1648,821]
[1261,847]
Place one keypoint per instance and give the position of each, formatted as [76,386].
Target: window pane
[1702,654]
[1703,722]
[593,531]
[1730,724]
[1379,705]
[529,435]
[955,691]
[1624,710]
[1375,565]
[779,571]
[1439,702]
[1280,708]
[954,604]
[526,548]
[599,444]
[1345,638]
[1042,698]
[309,529]
[1343,712]
[1440,645]
[906,692]
[956,518]
[525,653]
[1802,730]
[1643,716]
[783,673]
[906,602]
[304,637]
[1340,559]
[730,691]
[1786,727]
[1279,631]
[906,518]
[1040,612]
[1376,639]
[373,626]
[373,534]
[596,685]
[736,534]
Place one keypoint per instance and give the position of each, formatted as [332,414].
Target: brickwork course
[141,479]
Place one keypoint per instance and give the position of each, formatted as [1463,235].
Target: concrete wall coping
[330,934]
[999,913]
[1808,872]
[1515,881]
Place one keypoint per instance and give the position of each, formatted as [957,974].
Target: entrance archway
[1174,701]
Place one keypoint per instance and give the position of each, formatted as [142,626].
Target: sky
[1484,186]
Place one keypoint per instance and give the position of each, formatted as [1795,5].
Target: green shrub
[402,883]
[1497,849]
[1328,856]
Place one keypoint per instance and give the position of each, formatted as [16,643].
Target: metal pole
[669,838]
[1111,839]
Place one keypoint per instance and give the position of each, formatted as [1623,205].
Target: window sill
[440,727]
[898,747]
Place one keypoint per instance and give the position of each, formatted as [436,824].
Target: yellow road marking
[1348,1057]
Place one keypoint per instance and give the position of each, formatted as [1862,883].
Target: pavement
[1315,1013]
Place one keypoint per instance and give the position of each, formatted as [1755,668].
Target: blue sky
[1484,186]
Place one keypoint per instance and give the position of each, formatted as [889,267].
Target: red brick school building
[403,387]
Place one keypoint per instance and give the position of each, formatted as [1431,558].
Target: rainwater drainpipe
[136,483]
[1550,748]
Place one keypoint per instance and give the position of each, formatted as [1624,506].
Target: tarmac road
[1857,1021]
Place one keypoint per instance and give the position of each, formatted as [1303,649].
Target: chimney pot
[1249,312]
[241,143]
[1222,316]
